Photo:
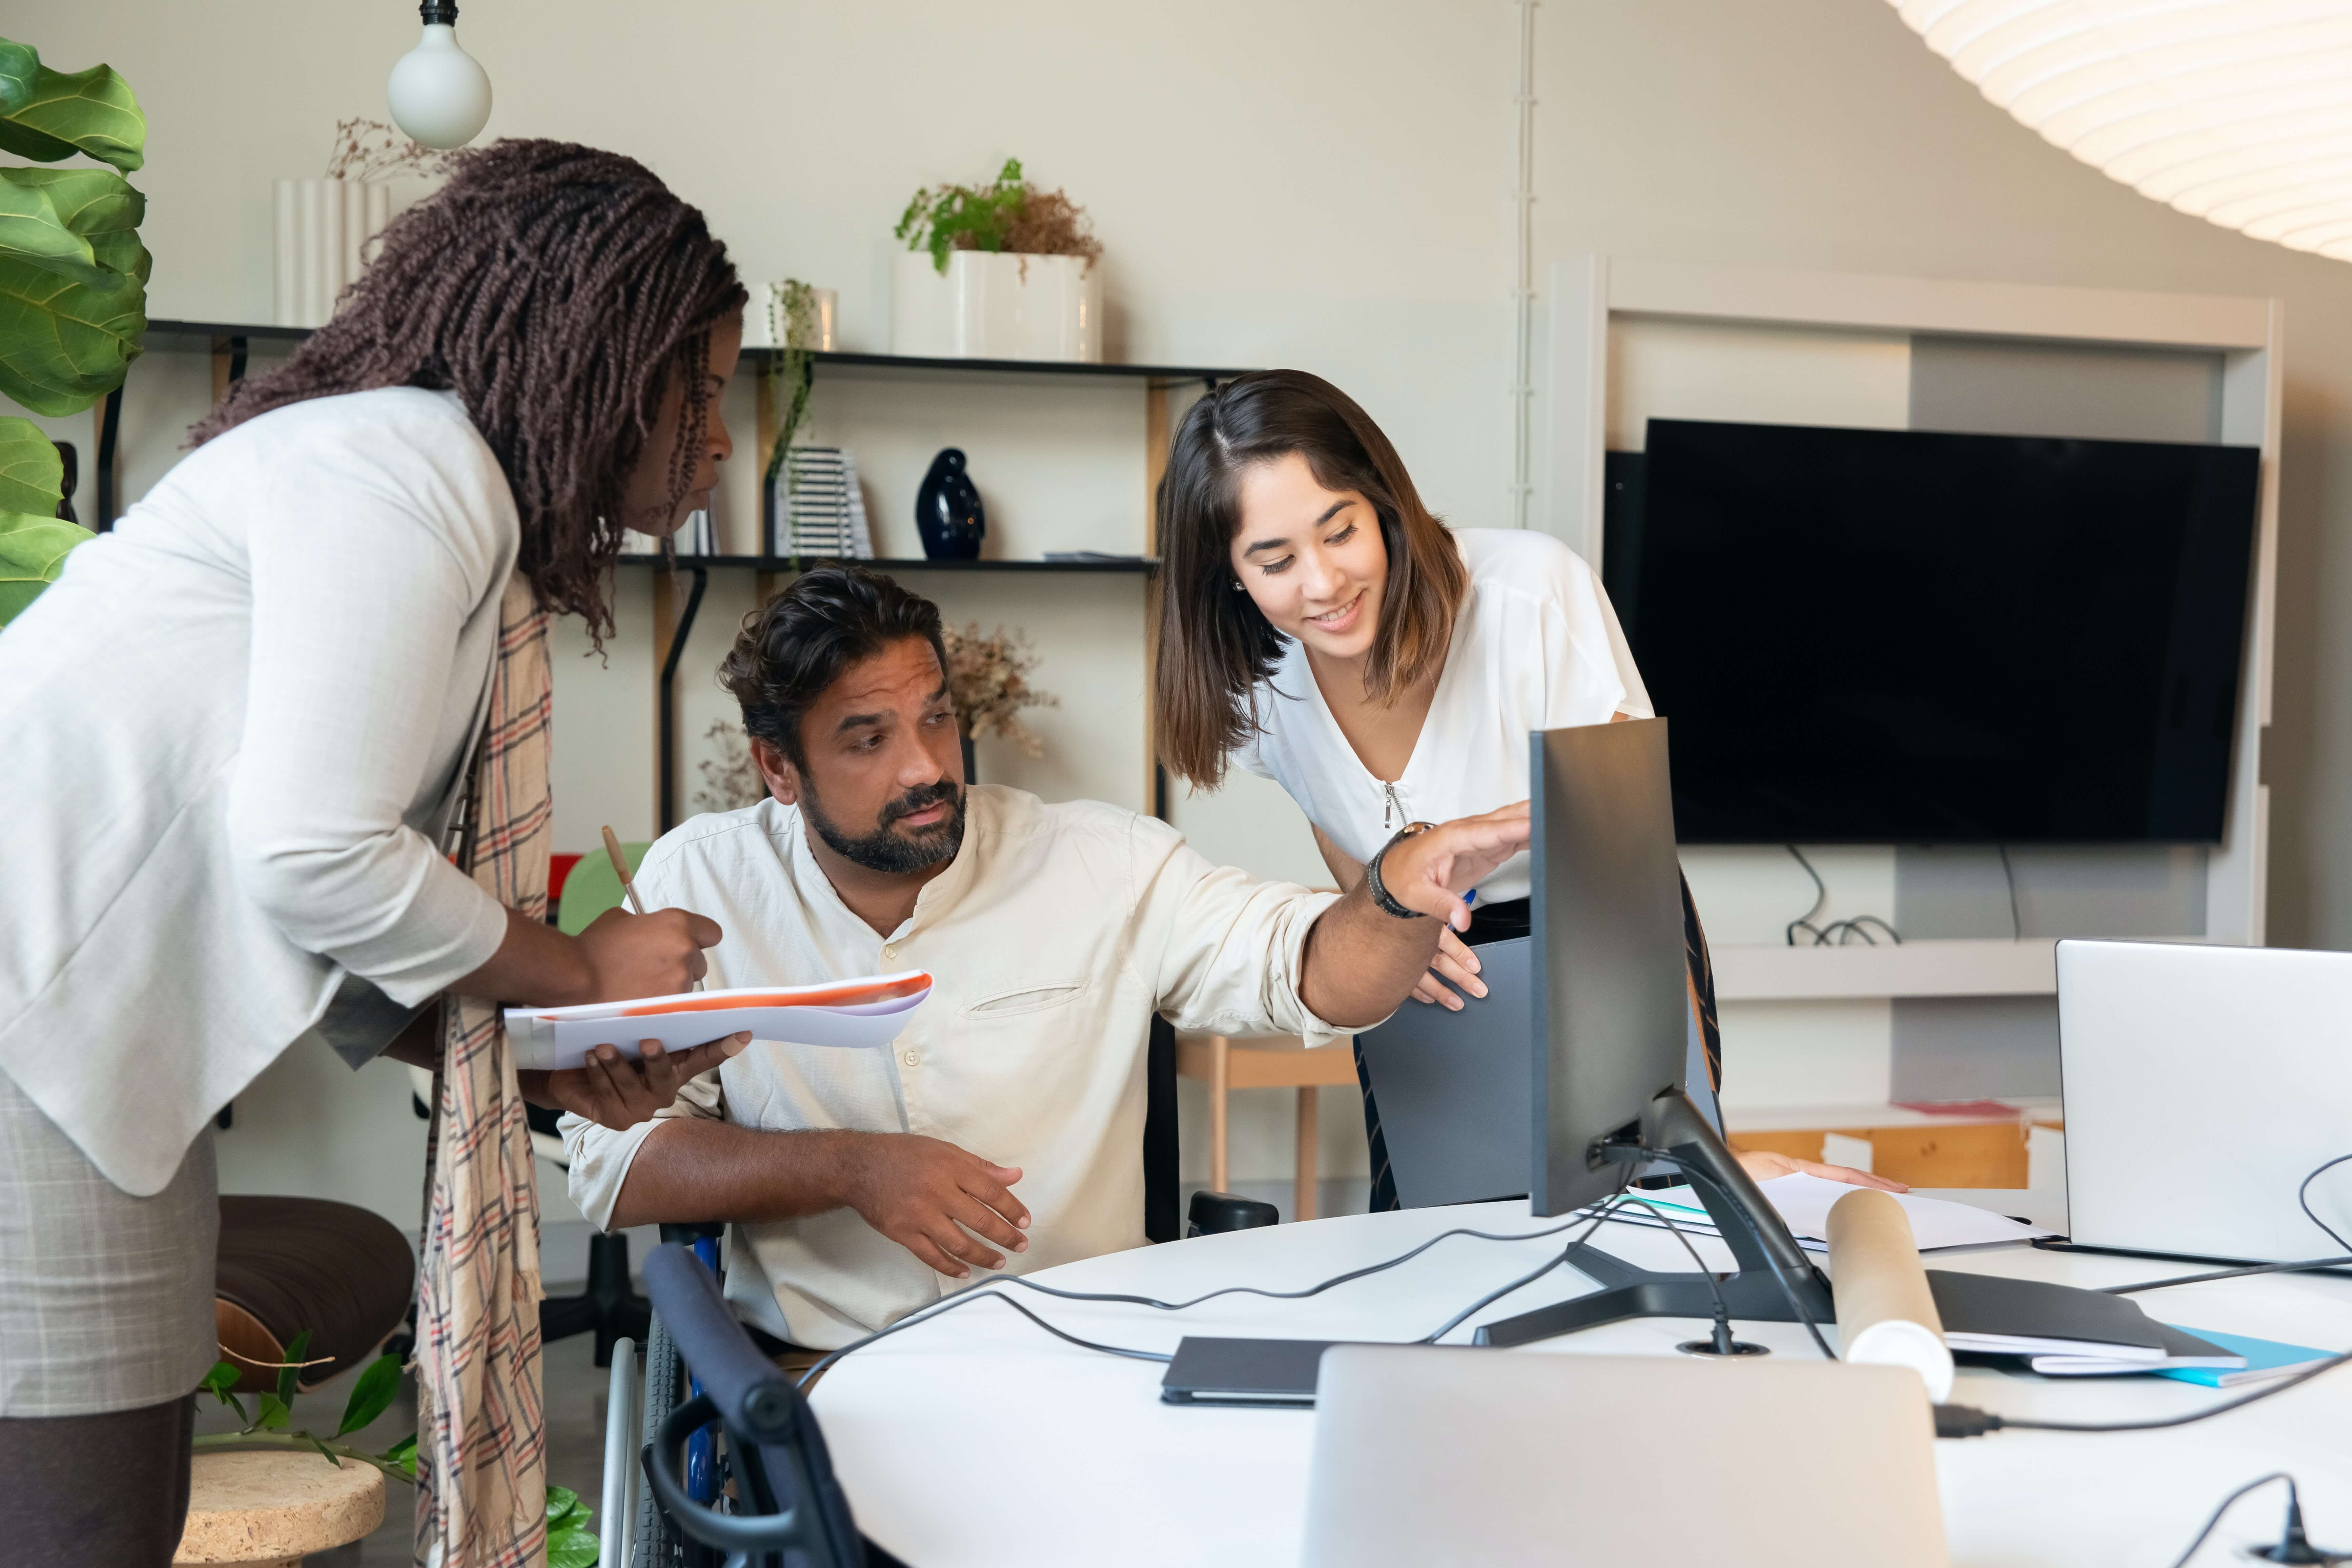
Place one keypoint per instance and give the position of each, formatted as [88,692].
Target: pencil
[628,883]
[621,869]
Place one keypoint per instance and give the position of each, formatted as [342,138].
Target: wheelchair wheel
[658,1546]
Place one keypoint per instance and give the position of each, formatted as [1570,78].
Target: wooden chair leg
[1218,1046]
[1303,1199]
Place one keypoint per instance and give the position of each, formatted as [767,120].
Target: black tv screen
[1885,636]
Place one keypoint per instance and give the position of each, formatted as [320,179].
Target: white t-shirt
[1536,646]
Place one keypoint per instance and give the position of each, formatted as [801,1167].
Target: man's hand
[614,1091]
[1763,1167]
[1430,871]
[933,1199]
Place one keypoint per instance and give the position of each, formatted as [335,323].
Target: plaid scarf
[481,1471]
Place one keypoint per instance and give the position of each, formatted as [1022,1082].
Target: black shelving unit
[1141,565]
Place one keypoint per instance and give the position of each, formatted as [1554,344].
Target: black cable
[2303,1201]
[989,1287]
[2182,1560]
[1821,901]
[965,1297]
[2306,1266]
[1600,1213]
[2016,925]
[1696,1173]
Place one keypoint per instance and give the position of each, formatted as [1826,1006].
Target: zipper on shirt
[1393,807]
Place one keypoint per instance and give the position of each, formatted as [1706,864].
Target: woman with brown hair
[1319,626]
[277,765]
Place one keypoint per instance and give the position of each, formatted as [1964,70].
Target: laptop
[1430,1456]
[2202,1083]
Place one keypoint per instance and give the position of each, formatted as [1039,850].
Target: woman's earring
[1237,586]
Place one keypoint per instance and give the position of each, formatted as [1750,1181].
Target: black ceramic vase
[947,510]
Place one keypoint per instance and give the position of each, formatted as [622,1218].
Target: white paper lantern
[2237,111]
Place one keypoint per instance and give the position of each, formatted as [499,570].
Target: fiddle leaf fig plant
[73,289]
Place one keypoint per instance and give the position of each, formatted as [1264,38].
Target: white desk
[978,1440]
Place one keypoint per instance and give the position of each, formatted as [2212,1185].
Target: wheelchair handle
[745,1390]
[754,1533]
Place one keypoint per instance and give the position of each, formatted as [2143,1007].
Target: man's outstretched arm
[1361,962]
[932,1198]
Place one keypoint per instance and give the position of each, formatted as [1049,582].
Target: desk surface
[978,1440]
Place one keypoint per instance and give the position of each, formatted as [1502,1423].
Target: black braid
[555,288]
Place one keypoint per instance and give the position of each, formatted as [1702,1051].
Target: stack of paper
[1803,1204]
[862,1014]
[821,509]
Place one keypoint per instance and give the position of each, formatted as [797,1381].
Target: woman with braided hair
[275,765]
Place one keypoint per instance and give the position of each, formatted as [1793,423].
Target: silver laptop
[1426,1456]
[2202,1084]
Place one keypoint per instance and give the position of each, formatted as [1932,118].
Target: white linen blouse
[226,724]
[1536,646]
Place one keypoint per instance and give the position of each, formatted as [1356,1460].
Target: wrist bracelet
[1380,897]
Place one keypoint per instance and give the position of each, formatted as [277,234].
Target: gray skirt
[106,1301]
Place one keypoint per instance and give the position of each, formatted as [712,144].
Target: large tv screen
[1885,636]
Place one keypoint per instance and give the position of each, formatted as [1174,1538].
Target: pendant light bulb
[439,94]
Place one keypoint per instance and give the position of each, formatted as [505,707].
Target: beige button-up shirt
[1052,937]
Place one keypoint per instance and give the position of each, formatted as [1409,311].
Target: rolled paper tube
[1886,1313]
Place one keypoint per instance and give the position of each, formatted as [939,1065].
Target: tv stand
[1759,1242]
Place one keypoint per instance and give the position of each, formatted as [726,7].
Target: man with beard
[1007,1118]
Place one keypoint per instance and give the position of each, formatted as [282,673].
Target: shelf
[198,337]
[1860,972]
[901,564]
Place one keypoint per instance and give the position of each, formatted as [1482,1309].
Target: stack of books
[819,509]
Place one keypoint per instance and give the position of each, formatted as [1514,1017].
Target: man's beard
[890,852]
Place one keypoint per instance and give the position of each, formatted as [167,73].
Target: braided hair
[555,288]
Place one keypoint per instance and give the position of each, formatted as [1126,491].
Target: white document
[866,1014]
[1804,1203]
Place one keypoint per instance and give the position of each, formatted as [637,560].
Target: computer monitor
[1612,997]
[1610,994]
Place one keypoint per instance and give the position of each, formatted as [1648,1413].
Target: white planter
[323,229]
[992,306]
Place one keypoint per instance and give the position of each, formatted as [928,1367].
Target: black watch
[1388,906]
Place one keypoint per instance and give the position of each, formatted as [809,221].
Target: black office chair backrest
[791,1510]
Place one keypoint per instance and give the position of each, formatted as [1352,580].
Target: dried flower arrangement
[988,681]
[730,781]
[792,326]
[1008,214]
[369,151]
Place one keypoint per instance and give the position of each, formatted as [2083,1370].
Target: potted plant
[1002,271]
[75,276]
[988,681]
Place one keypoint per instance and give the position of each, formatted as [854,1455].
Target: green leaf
[561,1503]
[31,552]
[574,1545]
[372,1395]
[220,1380]
[288,1376]
[402,1456]
[32,480]
[33,232]
[275,1414]
[324,1452]
[66,338]
[47,115]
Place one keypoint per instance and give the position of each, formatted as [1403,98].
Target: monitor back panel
[2202,1084]
[1430,1456]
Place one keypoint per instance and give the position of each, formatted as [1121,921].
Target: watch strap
[1381,898]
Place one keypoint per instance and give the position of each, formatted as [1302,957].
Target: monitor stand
[1751,1225]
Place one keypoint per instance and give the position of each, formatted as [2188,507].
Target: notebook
[2263,1359]
[2183,1352]
[1268,1374]
[1991,1315]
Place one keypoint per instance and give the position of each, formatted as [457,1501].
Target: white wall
[1317,182]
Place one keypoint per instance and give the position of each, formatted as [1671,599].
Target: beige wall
[1317,182]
